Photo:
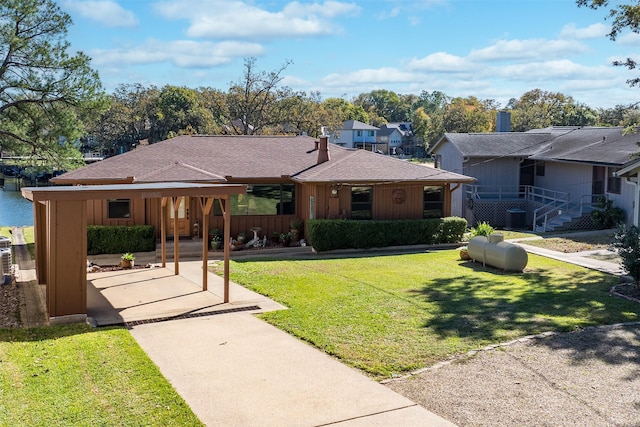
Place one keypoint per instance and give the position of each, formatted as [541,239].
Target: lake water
[15,210]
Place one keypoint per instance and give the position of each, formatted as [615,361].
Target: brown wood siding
[384,207]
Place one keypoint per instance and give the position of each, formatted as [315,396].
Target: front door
[183,216]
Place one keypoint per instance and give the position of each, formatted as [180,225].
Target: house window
[358,133]
[370,133]
[269,199]
[539,168]
[118,208]
[361,202]
[614,183]
[433,202]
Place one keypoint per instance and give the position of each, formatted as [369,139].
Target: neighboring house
[389,140]
[355,134]
[555,175]
[288,177]
[410,145]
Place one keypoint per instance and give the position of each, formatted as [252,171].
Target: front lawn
[391,314]
[78,376]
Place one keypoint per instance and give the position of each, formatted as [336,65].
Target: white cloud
[526,49]
[379,75]
[552,70]
[593,31]
[240,19]
[440,62]
[181,53]
[631,39]
[107,12]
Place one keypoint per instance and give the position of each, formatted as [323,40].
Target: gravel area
[10,302]
[585,378]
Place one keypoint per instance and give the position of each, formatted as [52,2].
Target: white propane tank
[497,253]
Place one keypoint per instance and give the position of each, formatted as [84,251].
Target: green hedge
[328,234]
[104,239]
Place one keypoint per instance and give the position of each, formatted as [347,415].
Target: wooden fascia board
[95,193]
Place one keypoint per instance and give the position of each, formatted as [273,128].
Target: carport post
[163,230]
[177,201]
[226,215]
[205,207]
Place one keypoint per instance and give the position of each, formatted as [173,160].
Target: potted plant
[242,237]
[213,233]
[297,226]
[275,237]
[216,241]
[126,260]
[285,238]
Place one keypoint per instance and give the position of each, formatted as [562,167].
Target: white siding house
[551,172]
[355,134]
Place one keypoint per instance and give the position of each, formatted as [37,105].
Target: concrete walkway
[234,369]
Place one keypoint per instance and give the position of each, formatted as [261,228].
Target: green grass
[74,375]
[28,236]
[392,314]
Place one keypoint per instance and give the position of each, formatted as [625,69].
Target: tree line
[257,105]
[52,104]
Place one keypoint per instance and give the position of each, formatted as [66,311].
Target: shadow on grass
[47,332]
[486,307]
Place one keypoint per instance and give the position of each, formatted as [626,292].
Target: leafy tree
[538,109]
[127,121]
[433,105]
[384,104]
[346,110]
[215,110]
[177,112]
[46,95]
[469,115]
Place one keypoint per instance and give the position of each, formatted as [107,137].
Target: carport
[60,223]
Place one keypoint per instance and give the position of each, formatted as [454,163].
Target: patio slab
[156,293]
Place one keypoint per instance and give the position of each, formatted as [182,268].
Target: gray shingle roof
[597,145]
[245,158]
[357,125]
[495,144]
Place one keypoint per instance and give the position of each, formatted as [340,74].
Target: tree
[127,120]
[469,115]
[384,104]
[46,95]
[254,101]
[177,112]
[537,109]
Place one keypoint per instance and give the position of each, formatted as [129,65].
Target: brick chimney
[323,150]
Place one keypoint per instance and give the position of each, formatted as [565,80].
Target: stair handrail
[556,206]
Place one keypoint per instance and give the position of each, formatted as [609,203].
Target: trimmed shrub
[106,239]
[627,243]
[329,234]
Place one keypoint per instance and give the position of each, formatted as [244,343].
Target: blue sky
[491,49]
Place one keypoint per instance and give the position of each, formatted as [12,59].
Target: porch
[544,209]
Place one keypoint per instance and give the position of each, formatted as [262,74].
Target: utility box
[516,219]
